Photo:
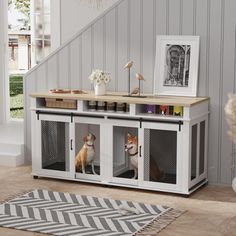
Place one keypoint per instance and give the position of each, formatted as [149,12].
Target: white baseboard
[11,160]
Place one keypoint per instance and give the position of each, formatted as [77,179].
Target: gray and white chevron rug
[67,214]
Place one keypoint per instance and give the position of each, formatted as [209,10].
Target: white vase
[100,89]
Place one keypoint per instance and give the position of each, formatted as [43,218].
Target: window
[41,30]
[29,41]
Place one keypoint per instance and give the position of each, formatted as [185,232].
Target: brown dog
[86,154]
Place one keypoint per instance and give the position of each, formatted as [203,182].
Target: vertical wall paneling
[148,38]
[75,63]
[161,11]
[174,17]
[63,68]
[122,45]
[41,78]
[128,32]
[29,87]
[111,47]
[52,72]
[202,31]
[221,87]
[227,85]
[187,18]
[98,39]
[68,66]
[86,58]
[208,41]
[135,40]
[161,18]
[214,82]
[104,42]
[116,48]
[80,61]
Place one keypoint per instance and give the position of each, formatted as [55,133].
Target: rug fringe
[15,195]
[159,223]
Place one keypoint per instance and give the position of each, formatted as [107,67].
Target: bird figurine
[140,78]
[135,91]
[128,66]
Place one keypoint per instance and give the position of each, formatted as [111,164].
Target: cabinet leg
[108,186]
[35,177]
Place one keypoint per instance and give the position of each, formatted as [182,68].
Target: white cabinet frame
[179,157]
[195,111]
[126,123]
[89,121]
[37,147]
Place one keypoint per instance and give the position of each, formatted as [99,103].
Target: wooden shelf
[118,97]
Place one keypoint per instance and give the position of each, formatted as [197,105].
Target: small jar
[150,109]
[164,110]
[92,105]
[111,106]
[120,107]
[127,109]
[178,111]
[101,106]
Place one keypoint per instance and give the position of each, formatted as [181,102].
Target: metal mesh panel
[147,155]
[55,145]
[121,160]
[202,147]
[160,156]
[194,152]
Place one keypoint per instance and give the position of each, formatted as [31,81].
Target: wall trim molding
[4,85]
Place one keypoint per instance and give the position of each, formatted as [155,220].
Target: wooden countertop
[118,97]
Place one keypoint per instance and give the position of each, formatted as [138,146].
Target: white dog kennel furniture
[171,131]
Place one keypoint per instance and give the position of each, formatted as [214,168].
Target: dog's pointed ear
[129,135]
[94,137]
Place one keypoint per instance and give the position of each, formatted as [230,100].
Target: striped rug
[65,214]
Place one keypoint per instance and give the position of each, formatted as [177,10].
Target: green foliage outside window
[16,96]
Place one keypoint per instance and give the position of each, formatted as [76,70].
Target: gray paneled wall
[127,31]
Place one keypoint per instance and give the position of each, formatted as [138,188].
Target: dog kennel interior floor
[209,211]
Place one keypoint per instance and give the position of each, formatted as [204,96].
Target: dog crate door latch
[37,112]
[140,151]
[71,144]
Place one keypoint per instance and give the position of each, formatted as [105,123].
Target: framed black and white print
[176,67]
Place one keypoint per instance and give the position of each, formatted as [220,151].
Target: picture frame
[176,66]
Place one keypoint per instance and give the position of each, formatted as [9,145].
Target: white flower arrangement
[98,77]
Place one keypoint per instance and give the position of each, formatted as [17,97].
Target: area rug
[64,214]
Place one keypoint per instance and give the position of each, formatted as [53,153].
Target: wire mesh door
[55,145]
[87,146]
[161,155]
[124,152]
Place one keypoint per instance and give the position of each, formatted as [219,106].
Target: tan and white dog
[86,154]
[132,148]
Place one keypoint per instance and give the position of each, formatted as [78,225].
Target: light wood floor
[210,211]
